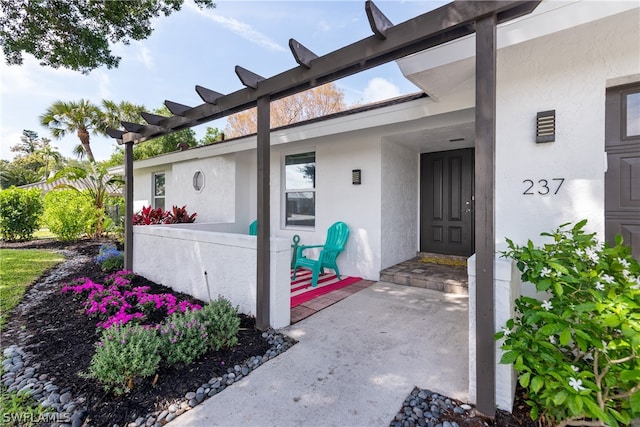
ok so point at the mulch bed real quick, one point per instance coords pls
(63, 338)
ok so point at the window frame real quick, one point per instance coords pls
(624, 136)
(154, 197)
(285, 191)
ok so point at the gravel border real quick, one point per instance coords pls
(23, 377)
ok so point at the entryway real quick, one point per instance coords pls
(446, 202)
(444, 273)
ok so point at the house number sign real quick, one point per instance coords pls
(542, 187)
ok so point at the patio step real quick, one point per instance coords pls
(438, 272)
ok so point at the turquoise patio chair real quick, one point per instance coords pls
(253, 228)
(336, 239)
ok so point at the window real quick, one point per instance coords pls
(631, 113)
(158, 190)
(198, 181)
(300, 189)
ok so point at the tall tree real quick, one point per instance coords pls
(77, 34)
(316, 102)
(81, 117)
(29, 143)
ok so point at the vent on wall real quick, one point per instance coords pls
(546, 126)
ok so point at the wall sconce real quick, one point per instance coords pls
(356, 176)
(546, 126)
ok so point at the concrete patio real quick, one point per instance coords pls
(354, 364)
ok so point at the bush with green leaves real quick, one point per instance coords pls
(69, 214)
(184, 338)
(20, 211)
(222, 323)
(124, 354)
(577, 353)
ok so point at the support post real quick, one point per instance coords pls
(263, 270)
(484, 212)
(128, 206)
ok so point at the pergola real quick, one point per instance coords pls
(388, 43)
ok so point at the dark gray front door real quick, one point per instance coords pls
(622, 179)
(446, 202)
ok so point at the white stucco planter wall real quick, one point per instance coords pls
(206, 264)
(507, 287)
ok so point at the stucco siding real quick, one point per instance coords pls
(337, 199)
(215, 202)
(399, 207)
(566, 72)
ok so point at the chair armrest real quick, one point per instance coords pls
(302, 248)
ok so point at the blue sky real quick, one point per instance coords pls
(202, 47)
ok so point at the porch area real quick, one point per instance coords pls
(444, 273)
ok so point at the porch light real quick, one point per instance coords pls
(546, 126)
(356, 176)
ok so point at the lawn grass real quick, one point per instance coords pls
(43, 233)
(19, 268)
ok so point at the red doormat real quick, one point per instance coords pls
(302, 291)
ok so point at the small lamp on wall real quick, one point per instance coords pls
(546, 126)
(356, 176)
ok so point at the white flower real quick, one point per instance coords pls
(627, 274)
(552, 339)
(506, 331)
(624, 262)
(592, 255)
(575, 368)
(547, 305)
(580, 252)
(637, 285)
(545, 272)
(607, 279)
(576, 384)
(588, 356)
(600, 286)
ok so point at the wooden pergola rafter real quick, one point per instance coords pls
(388, 43)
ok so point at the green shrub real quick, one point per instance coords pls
(184, 338)
(222, 323)
(577, 353)
(123, 354)
(69, 214)
(20, 211)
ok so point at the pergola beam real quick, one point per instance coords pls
(444, 24)
(301, 54)
(377, 20)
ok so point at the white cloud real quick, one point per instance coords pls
(379, 89)
(239, 28)
(144, 55)
(104, 85)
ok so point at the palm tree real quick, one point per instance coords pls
(81, 117)
(114, 113)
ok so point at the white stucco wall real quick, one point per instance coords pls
(337, 199)
(216, 200)
(213, 264)
(568, 72)
(399, 203)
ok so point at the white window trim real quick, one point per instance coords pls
(283, 189)
(153, 189)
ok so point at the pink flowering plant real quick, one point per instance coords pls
(577, 350)
(117, 302)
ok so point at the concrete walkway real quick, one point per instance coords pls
(354, 364)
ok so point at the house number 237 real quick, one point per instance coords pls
(542, 186)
